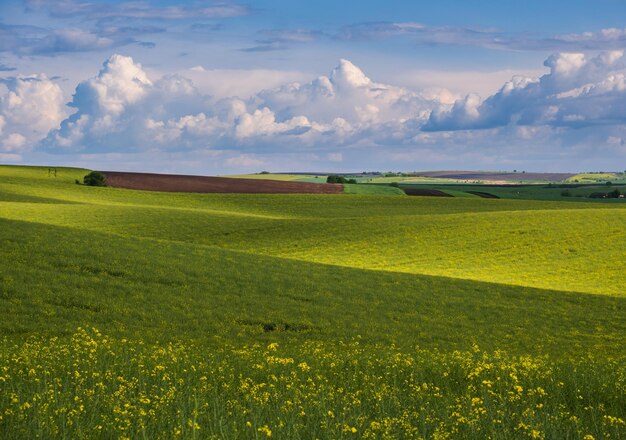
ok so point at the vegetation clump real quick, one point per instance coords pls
(95, 178)
(333, 178)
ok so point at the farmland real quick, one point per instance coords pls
(129, 313)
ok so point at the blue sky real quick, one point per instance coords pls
(217, 87)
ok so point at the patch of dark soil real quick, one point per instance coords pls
(206, 184)
(425, 192)
(484, 195)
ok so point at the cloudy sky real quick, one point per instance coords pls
(217, 87)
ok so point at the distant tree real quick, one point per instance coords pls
(566, 193)
(614, 194)
(264, 172)
(351, 181)
(609, 183)
(333, 178)
(95, 178)
(395, 184)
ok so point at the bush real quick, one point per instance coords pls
(566, 193)
(335, 179)
(95, 178)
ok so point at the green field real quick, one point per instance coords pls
(598, 177)
(129, 314)
(549, 192)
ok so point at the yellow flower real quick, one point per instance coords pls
(265, 429)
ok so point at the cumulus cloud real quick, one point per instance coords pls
(577, 91)
(348, 95)
(576, 108)
(30, 106)
(121, 108)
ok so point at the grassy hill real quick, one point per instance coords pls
(128, 314)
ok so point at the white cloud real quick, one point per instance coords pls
(575, 109)
(122, 109)
(138, 10)
(245, 161)
(419, 33)
(577, 91)
(449, 85)
(243, 83)
(30, 106)
(347, 94)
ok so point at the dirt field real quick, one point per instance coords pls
(425, 192)
(203, 184)
(474, 175)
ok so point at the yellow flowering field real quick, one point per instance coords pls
(128, 314)
(94, 386)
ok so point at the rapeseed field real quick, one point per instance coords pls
(128, 314)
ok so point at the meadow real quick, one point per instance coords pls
(129, 314)
(567, 192)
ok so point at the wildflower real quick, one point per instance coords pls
(265, 430)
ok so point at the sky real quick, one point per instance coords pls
(222, 87)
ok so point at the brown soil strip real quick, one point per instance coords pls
(204, 184)
(484, 195)
(425, 192)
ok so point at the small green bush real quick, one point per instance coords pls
(335, 179)
(95, 178)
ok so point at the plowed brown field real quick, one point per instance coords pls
(204, 184)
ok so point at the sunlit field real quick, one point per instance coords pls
(129, 314)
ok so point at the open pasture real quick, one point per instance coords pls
(299, 316)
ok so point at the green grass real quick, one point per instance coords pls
(367, 294)
(530, 192)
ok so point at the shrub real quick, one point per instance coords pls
(566, 193)
(95, 178)
(335, 179)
